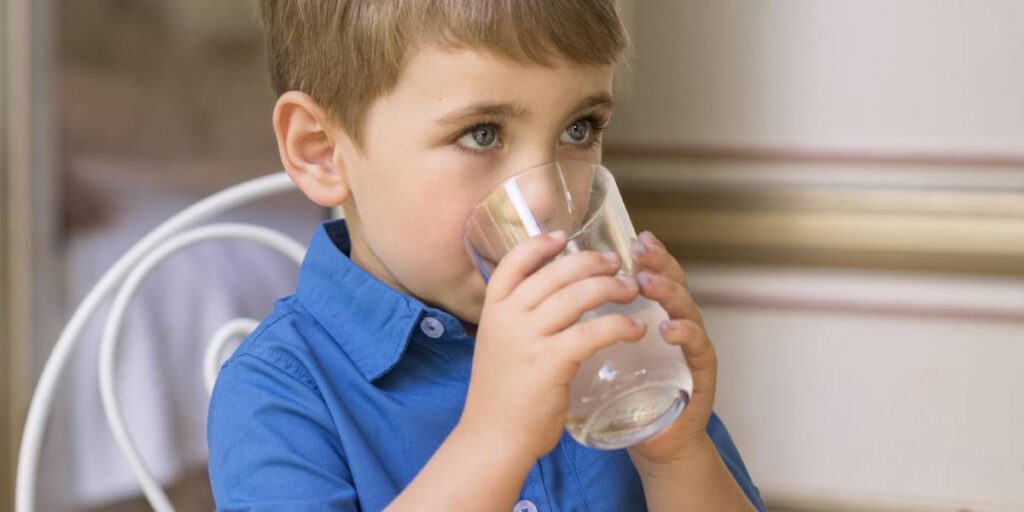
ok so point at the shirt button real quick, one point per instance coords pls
(432, 327)
(524, 506)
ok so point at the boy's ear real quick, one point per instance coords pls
(308, 150)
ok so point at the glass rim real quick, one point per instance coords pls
(601, 169)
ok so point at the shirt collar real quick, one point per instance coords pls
(371, 321)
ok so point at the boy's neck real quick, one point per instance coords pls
(362, 255)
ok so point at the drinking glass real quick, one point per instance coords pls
(626, 392)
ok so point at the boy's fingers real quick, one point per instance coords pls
(562, 272)
(584, 339)
(670, 294)
(700, 356)
(652, 255)
(524, 259)
(565, 306)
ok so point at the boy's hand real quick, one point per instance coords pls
(529, 345)
(663, 280)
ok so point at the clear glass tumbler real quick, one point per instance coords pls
(629, 391)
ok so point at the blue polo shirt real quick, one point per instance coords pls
(342, 394)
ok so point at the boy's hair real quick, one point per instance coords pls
(347, 53)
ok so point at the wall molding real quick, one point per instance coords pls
(935, 214)
(961, 159)
(859, 292)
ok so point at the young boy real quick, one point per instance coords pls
(395, 378)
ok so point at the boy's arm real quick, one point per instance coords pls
(468, 472)
(699, 482)
(692, 464)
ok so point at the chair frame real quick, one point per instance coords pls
(124, 277)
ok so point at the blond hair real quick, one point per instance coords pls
(347, 53)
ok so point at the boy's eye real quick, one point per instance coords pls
(486, 136)
(577, 133)
(480, 137)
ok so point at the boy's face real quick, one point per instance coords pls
(456, 125)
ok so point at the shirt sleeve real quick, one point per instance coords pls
(731, 456)
(272, 442)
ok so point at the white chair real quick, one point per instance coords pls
(124, 277)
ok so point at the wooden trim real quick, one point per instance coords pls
(840, 211)
(886, 242)
(841, 306)
(900, 294)
(963, 159)
(943, 203)
(32, 272)
(894, 233)
(8, 372)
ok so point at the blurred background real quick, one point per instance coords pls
(843, 181)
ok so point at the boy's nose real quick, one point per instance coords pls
(528, 160)
(540, 197)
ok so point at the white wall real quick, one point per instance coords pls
(940, 75)
(852, 390)
(872, 389)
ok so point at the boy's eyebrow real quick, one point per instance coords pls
(478, 110)
(511, 111)
(600, 99)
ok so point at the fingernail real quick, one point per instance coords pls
(671, 326)
(557, 235)
(610, 257)
(628, 281)
(648, 238)
(637, 321)
(643, 279)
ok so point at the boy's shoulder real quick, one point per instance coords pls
(286, 339)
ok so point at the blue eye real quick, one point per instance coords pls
(578, 132)
(479, 138)
(585, 132)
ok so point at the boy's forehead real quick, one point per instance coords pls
(444, 72)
